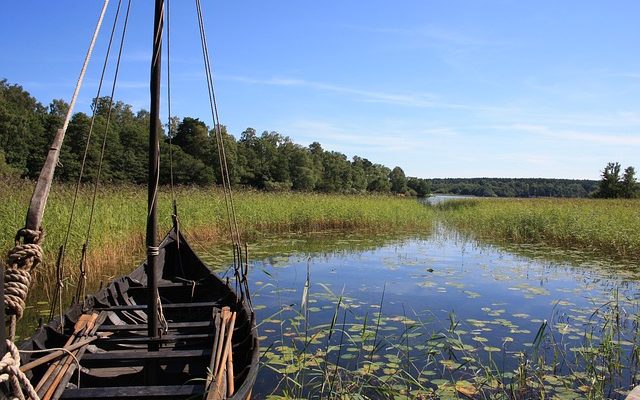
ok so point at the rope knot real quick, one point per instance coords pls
(26, 235)
(22, 260)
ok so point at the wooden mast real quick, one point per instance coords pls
(154, 173)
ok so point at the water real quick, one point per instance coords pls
(441, 198)
(449, 312)
(451, 309)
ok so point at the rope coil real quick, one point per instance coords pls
(22, 260)
(10, 372)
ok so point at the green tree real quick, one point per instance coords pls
(192, 136)
(629, 184)
(610, 186)
(421, 187)
(398, 180)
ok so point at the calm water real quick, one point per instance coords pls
(434, 291)
(439, 308)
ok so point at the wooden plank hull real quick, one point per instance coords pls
(119, 365)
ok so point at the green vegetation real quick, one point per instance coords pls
(355, 353)
(267, 161)
(613, 186)
(120, 215)
(521, 187)
(603, 226)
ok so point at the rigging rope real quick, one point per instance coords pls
(26, 256)
(82, 279)
(57, 298)
(240, 264)
(10, 372)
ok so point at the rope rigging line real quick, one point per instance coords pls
(57, 298)
(174, 202)
(27, 253)
(82, 279)
(239, 264)
(169, 124)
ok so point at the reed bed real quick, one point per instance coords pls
(118, 230)
(608, 227)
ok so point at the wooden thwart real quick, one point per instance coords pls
(134, 392)
(130, 307)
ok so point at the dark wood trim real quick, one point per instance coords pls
(143, 327)
(134, 392)
(164, 306)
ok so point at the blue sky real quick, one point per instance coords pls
(441, 88)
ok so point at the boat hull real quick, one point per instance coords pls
(120, 365)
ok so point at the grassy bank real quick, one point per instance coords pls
(118, 230)
(608, 227)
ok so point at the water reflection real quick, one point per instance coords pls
(499, 299)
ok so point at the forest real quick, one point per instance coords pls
(265, 161)
(521, 187)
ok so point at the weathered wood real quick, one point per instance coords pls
(79, 353)
(163, 339)
(53, 355)
(67, 362)
(143, 327)
(134, 392)
(78, 327)
(131, 307)
(228, 348)
(216, 338)
(101, 359)
(164, 285)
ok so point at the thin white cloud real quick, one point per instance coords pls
(415, 100)
(576, 136)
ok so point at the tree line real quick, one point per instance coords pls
(515, 187)
(266, 161)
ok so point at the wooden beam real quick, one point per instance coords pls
(111, 358)
(134, 392)
(143, 327)
(131, 307)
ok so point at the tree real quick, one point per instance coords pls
(398, 180)
(420, 186)
(629, 184)
(610, 182)
(192, 136)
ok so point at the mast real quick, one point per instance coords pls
(154, 173)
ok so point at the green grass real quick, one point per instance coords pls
(608, 227)
(119, 222)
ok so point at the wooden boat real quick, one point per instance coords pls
(170, 329)
(114, 366)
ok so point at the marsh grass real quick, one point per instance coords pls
(117, 238)
(602, 226)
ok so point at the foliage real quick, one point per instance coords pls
(605, 226)
(120, 215)
(511, 187)
(268, 161)
(614, 186)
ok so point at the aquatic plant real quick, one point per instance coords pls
(599, 225)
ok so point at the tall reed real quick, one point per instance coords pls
(610, 227)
